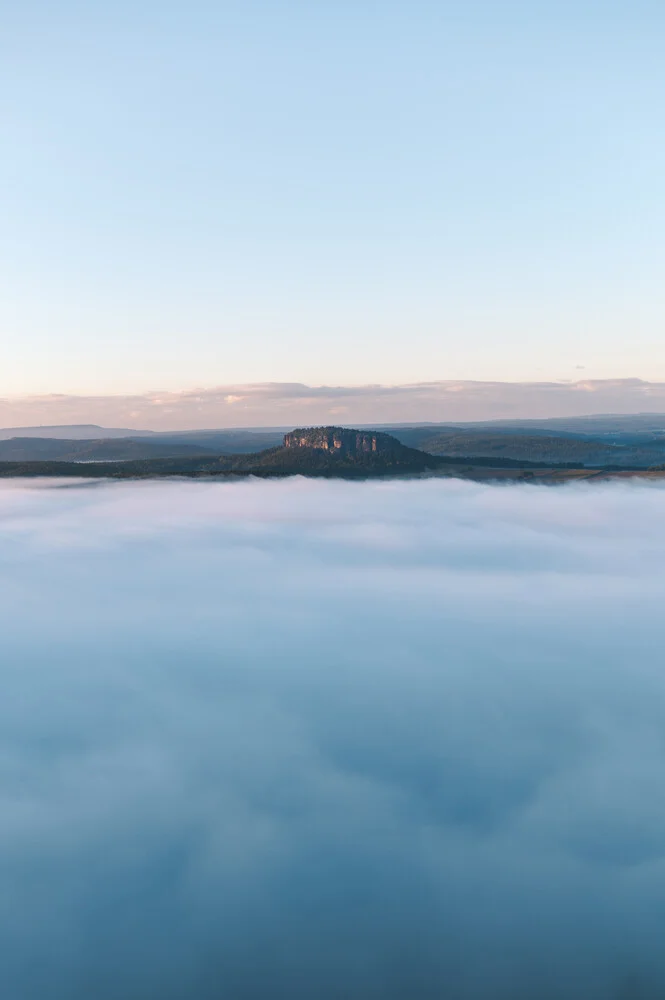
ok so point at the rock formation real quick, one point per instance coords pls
(343, 441)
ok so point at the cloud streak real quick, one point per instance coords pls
(291, 404)
(331, 739)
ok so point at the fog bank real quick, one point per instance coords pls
(327, 739)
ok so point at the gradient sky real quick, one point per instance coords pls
(330, 192)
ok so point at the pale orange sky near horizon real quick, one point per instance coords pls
(291, 404)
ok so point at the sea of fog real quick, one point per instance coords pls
(332, 741)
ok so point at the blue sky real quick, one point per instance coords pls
(339, 193)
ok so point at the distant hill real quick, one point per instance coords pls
(541, 448)
(633, 441)
(628, 449)
(322, 451)
(224, 440)
(339, 450)
(228, 441)
(299, 451)
(335, 452)
(112, 450)
(71, 432)
(596, 424)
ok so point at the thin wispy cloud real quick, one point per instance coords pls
(289, 404)
(301, 739)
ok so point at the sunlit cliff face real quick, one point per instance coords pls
(341, 439)
(330, 739)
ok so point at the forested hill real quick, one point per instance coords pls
(334, 452)
(320, 451)
(634, 441)
(305, 459)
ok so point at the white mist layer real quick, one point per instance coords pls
(324, 739)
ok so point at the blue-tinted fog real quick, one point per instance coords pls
(325, 739)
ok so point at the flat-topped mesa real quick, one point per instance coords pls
(342, 440)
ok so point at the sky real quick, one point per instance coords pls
(436, 769)
(289, 405)
(349, 193)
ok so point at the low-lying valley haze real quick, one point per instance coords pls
(396, 739)
(332, 500)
